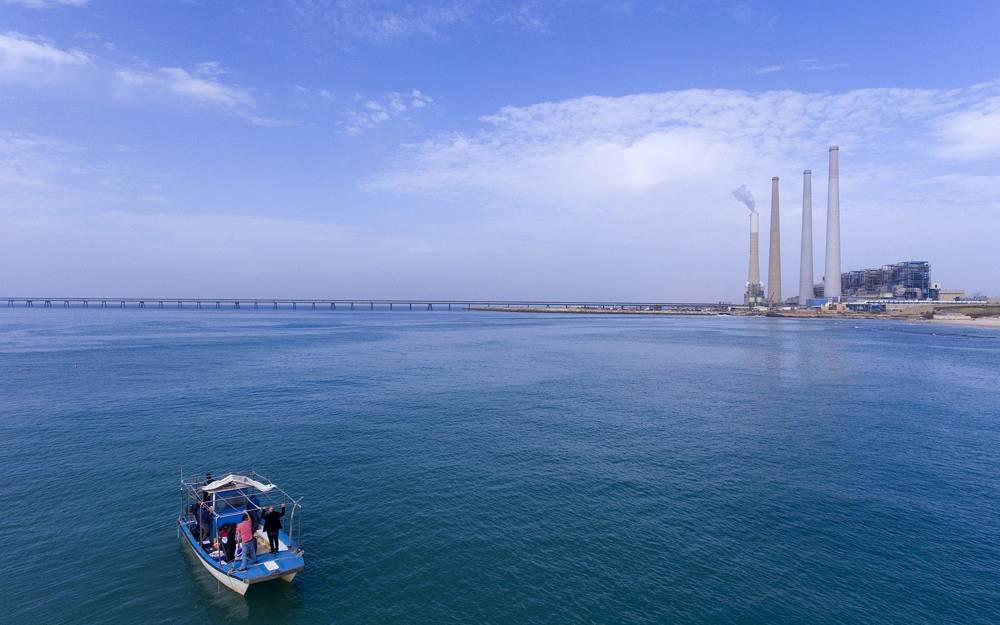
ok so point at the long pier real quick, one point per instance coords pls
(344, 304)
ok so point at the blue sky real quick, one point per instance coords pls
(460, 149)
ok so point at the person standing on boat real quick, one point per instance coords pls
(227, 536)
(204, 521)
(272, 524)
(205, 495)
(244, 531)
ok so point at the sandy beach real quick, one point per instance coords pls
(964, 320)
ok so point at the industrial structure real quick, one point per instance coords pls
(831, 280)
(906, 280)
(774, 250)
(903, 282)
(806, 256)
(754, 294)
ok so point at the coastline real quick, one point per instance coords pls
(990, 322)
(964, 320)
(581, 310)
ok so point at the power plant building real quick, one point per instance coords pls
(906, 280)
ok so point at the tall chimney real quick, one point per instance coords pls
(831, 281)
(806, 259)
(753, 276)
(774, 251)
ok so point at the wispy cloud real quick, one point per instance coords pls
(38, 62)
(34, 59)
(46, 174)
(670, 151)
(46, 4)
(670, 158)
(972, 134)
(380, 20)
(814, 65)
(372, 112)
(200, 85)
(806, 65)
(531, 16)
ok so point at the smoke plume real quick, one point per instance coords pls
(743, 194)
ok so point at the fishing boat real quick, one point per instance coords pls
(207, 522)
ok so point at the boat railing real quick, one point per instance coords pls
(191, 488)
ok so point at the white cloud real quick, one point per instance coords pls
(372, 112)
(380, 20)
(768, 69)
(595, 197)
(200, 86)
(593, 146)
(974, 133)
(531, 16)
(46, 4)
(33, 59)
(814, 65)
(668, 160)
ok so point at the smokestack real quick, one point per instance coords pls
(806, 259)
(831, 280)
(755, 292)
(753, 276)
(774, 252)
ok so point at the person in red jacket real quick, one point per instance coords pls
(244, 532)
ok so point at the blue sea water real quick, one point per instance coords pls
(504, 468)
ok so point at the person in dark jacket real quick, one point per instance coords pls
(205, 495)
(272, 523)
(227, 535)
(204, 522)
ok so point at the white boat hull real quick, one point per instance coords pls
(229, 582)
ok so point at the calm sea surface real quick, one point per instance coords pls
(489, 468)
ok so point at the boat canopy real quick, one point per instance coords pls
(233, 481)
